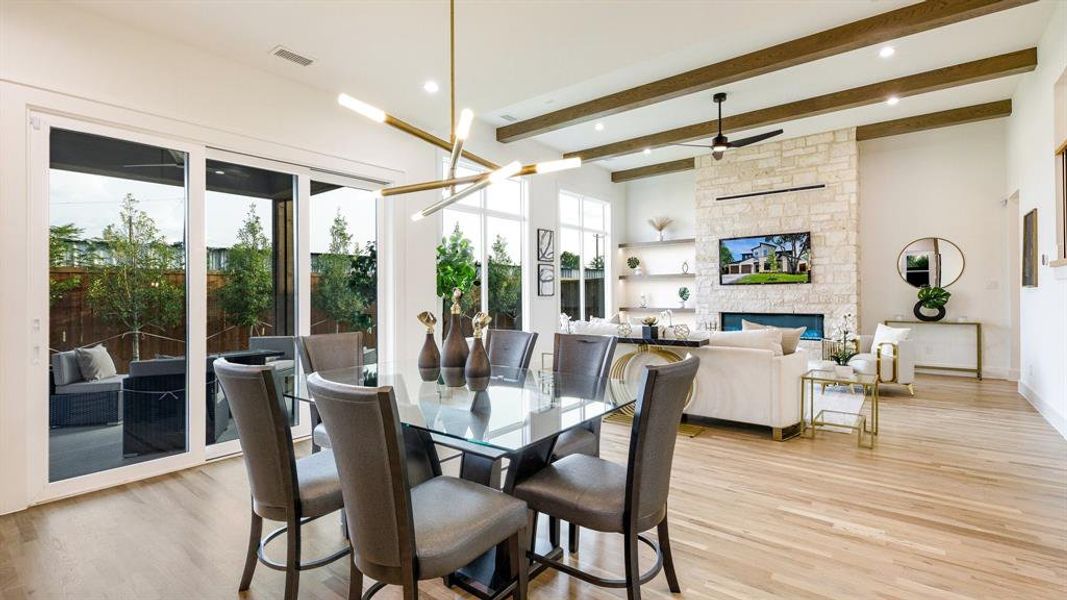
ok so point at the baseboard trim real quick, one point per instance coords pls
(1058, 422)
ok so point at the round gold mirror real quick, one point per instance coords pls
(934, 262)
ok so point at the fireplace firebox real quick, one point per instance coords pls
(731, 321)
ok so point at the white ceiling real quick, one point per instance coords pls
(524, 58)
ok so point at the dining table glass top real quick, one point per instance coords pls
(519, 407)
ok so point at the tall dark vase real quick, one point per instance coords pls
(429, 359)
(454, 358)
(477, 369)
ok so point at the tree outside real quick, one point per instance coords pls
(61, 248)
(568, 260)
(129, 286)
(772, 261)
(344, 279)
(505, 285)
(725, 256)
(249, 279)
(798, 247)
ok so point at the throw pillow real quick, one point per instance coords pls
(760, 339)
(885, 334)
(790, 335)
(95, 363)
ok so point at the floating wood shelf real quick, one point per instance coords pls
(654, 309)
(655, 243)
(660, 276)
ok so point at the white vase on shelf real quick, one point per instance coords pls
(638, 271)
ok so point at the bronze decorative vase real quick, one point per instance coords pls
(477, 369)
(454, 358)
(429, 356)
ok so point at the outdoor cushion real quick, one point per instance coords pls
(65, 368)
(111, 384)
(95, 363)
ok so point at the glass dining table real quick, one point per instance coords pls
(517, 419)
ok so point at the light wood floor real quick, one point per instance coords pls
(965, 496)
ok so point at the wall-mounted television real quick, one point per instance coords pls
(765, 259)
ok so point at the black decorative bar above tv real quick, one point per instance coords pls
(765, 259)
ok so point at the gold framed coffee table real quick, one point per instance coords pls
(856, 421)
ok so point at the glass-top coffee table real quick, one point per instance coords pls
(866, 428)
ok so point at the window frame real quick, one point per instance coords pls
(484, 214)
(582, 231)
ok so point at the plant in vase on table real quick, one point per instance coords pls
(843, 344)
(931, 298)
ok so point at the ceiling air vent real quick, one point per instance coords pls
(287, 54)
(508, 118)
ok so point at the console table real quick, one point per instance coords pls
(977, 368)
(659, 347)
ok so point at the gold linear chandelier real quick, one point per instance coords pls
(460, 130)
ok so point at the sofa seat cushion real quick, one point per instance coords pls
(864, 363)
(456, 520)
(111, 384)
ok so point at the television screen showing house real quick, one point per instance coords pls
(767, 259)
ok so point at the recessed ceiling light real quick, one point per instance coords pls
(892, 101)
(887, 51)
(599, 127)
(646, 151)
(431, 87)
(220, 172)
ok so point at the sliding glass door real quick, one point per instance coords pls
(116, 303)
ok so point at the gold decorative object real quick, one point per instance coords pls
(480, 322)
(428, 320)
(460, 130)
(429, 356)
(650, 321)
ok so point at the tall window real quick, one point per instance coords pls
(481, 250)
(117, 297)
(584, 237)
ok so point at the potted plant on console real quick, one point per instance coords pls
(931, 298)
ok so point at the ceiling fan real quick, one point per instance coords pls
(720, 143)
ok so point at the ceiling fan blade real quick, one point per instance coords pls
(694, 145)
(755, 138)
(717, 155)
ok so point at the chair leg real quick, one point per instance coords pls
(553, 532)
(531, 530)
(668, 560)
(911, 389)
(519, 564)
(355, 581)
(633, 571)
(251, 559)
(572, 537)
(411, 591)
(292, 559)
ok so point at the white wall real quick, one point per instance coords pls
(1031, 143)
(946, 183)
(667, 195)
(57, 58)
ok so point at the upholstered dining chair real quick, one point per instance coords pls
(284, 488)
(589, 356)
(324, 352)
(401, 533)
(604, 496)
(510, 348)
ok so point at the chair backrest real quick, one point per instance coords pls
(367, 444)
(509, 348)
(588, 355)
(281, 343)
(662, 396)
(331, 351)
(263, 427)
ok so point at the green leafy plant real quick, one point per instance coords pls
(633, 262)
(338, 293)
(568, 260)
(62, 250)
(456, 268)
(505, 281)
(249, 284)
(842, 353)
(650, 321)
(130, 286)
(683, 293)
(933, 297)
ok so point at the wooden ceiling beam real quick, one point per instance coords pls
(884, 27)
(935, 120)
(984, 69)
(944, 118)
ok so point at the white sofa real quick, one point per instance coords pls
(747, 385)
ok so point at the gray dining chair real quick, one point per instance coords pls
(510, 348)
(604, 496)
(284, 488)
(588, 356)
(325, 352)
(401, 533)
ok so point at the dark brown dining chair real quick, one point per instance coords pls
(604, 496)
(588, 356)
(402, 534)
(510, 348)
(284, 488)
(324, 352)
